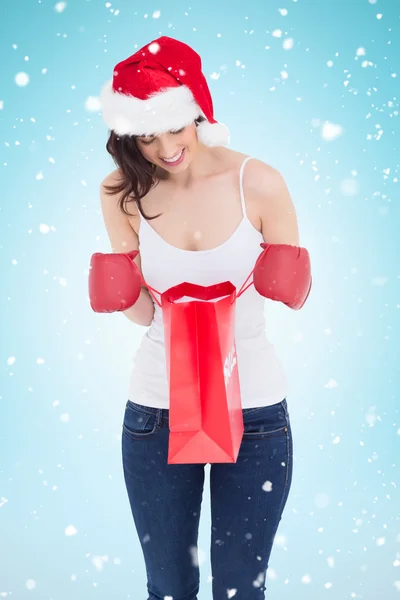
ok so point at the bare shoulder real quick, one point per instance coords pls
(230, 159)
(262, 178)
(112, 178)
(257, 174)
(111, 199)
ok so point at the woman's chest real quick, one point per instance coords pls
(199, 218)
(164, 266)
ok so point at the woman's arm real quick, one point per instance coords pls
(124, 239)
(275, 206)
(283, 270)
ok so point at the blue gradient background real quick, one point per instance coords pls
(63, 394)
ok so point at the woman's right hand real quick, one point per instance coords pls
(114, 281)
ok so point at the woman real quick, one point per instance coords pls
(197, 212)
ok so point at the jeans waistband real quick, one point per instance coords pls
(163, 413)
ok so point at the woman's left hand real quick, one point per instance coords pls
(283, 273)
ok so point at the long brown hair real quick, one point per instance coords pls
(137, 173)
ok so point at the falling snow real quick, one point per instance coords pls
(267, 486)
(22, 79)
(332, 384)
(60, 7)
(324, 110)
(331, 131)
(30, 584)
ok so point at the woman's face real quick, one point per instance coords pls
(172, 151)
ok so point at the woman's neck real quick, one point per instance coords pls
(202, 164)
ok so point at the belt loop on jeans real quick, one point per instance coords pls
(285, 408)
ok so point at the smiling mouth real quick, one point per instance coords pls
(175, 159)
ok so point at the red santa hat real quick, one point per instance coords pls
(158, 89)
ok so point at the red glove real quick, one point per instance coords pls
(283, 273)
(114, 281)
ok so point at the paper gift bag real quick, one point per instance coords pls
(205, 415)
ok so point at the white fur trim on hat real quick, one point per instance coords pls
(169, 109)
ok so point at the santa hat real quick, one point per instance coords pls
(158, 89)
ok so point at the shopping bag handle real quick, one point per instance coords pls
(200, 292)
(153, 291)
(133, 254)
(243, 288)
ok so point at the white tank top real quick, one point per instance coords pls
(262, 380)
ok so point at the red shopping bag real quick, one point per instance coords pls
(205, 410)
(205, 418)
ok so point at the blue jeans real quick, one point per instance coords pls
(247, 502)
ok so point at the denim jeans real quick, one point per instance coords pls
(247, 501)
